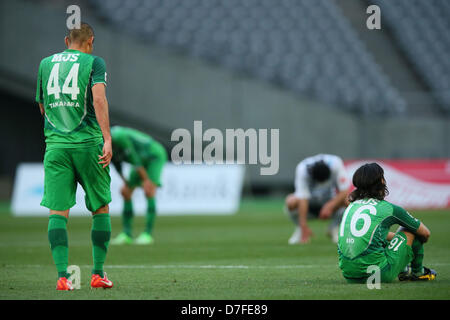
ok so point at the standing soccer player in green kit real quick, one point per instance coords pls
(365, 240)
(71, 96)
(148, 158)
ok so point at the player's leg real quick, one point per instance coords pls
(291, 209)
(100, 235)
(59, 245)
(292, 204)
(96, 181)
(333, 228)
(416, 270)
(59, 197)
(126, 236)
(399, 254)
(154, 172)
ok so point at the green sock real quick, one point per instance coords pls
(57, 236)
(416, 263)
(127, 217)
(100, 235)
(151, 215)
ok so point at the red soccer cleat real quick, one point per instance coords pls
(99, 282)
(64, 285)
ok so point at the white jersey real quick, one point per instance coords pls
(319, 193)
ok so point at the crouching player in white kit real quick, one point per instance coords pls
(321, 190)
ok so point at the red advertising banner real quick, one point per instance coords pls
(413, 184)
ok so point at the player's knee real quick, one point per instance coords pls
(152, 192)
(104, 209)
(126, 193)
(291, 202)
(409, 235)
(64, 213)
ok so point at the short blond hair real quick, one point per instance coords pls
(81, 35)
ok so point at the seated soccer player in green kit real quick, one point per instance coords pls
(365, 240)
(147, 156)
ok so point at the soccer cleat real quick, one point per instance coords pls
(144, 238)
(99, 282)
(64, 285)
(405, 274)
(408, 275)
(121, 239)
(296, 236)
(428, 275)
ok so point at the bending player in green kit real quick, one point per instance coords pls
(71, 96)
(148, 158)
(365, 240)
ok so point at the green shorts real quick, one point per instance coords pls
(154, 169)
(397, 255)
(64, 167)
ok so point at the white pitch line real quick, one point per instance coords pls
(174, 266)
(183, 266)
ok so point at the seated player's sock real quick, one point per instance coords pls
(57, 236)
(151, 215)
(100, 234)
(127, 217)
(416, 263)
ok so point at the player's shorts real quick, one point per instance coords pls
(154, 169)
(397, 255)
(313, 213)
(64, 167)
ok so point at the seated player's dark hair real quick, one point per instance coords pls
(319, 171)
(369, 183)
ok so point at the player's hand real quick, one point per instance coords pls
(105, 159)
(327, 210)
(306, 234)
(149, 188)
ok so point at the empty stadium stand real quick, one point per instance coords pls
(422, 30)
(306, 46)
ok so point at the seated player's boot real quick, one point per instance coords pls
(296, 236)
(121, 239)
(144, 238)
(428, 275)
(64, 285)
(405, 275)
(408, 275)
(99, 282)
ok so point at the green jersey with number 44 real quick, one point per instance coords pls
(64, 88)
(363, 231)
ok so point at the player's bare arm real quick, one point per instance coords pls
(102, 115)
(148, 186)
(302, 216)
(423, 233)
(338, 201)
(41, 108)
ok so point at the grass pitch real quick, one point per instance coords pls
(239, 257)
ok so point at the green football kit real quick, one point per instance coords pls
(362, 241)
(74, 142)
(139, 150)
(72, 134)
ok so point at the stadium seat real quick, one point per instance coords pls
(305, 46)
